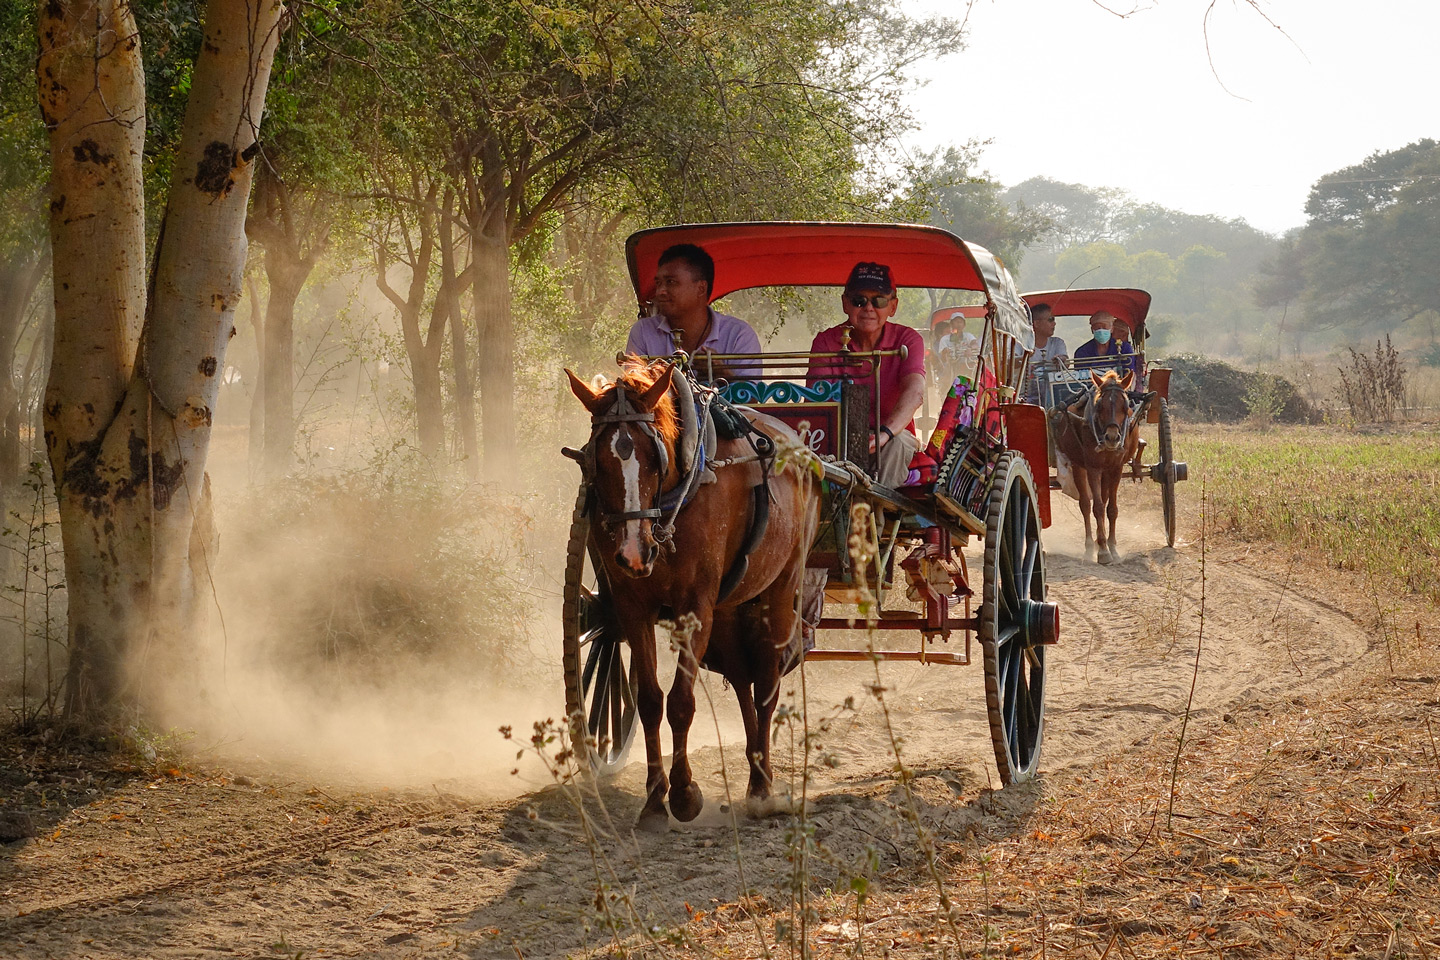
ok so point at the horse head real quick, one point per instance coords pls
(1109, 408)
(629, 458)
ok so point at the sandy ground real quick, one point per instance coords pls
(225, 858)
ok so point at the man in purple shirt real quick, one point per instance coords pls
(683, 318)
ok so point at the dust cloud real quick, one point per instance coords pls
(376, 627)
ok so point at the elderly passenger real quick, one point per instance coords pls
(869, 301)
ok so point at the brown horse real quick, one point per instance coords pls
(1099, 435)
(749, 636)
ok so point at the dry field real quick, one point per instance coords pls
(1299, 816)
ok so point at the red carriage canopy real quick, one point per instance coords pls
(789, 253)
(1129, 305)
(970, 312)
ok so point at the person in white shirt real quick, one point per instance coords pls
(1050, 351)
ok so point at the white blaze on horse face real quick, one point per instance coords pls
(630, 473)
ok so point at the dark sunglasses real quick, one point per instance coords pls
(879, 301)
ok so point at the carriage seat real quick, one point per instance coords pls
(921, 478)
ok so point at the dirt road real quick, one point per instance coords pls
(139, 864)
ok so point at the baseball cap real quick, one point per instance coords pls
(870, 276)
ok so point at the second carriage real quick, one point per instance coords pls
(1056, 385)
(976, 478)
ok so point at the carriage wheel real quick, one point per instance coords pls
(1167, 475)
(599, 686)
(1016, 623)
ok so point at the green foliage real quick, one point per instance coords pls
(1366, 257)
(947, 193)
(23, 146)
(1199, 269)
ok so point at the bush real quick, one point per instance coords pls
(1202, 389)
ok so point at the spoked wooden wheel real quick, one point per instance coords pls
(599, 686)
(1016, 622)
(1167, 472)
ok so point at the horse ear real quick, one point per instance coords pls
(651, 397)
(1128, 379)
(582, 391)
(1096, 379)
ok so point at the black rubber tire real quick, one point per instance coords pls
(1014, 668)
(599, 686)
(1167, 475)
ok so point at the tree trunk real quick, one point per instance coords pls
(286, 274)
(429, 396)
(20, 275)
(128, 427)
(496, 363)
(255, 452)
(450, 284)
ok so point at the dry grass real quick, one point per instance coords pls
(1308, 829)
(1304, 827)
(1367, 502)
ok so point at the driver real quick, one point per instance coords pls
(684, 319)
(869, 301)
(1102, 346)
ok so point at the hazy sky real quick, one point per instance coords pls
(1066, 90)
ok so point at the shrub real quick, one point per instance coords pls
(1202, 389)
(1372, 388)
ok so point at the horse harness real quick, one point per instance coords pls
(1132, 413)
(730, 423)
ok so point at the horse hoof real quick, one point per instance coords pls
(653, 821)
(1104, 557)
(758, 808)
(687, 802)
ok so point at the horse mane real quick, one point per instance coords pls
(638, 377)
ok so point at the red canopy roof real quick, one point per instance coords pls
(970, 312)
(815, 254)
(1132, 306)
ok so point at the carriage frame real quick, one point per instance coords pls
(984, 487)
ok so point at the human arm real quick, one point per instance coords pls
(910, 396)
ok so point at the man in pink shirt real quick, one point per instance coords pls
(869, 301)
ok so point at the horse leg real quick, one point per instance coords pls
(776, 621)
(759, 802)
(1098, 487)
(686, 800)
(1112, 501)
(1082, 485)
(650, 703)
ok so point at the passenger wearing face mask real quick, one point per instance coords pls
(1102, 351)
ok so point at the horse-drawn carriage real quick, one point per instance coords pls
(977, 482)
(1057, 386)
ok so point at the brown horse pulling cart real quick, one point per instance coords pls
(1056, 385)
(979, 483)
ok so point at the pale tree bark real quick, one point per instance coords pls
(128, 408)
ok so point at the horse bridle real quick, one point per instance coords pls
(623, 411)
(1132, 414)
